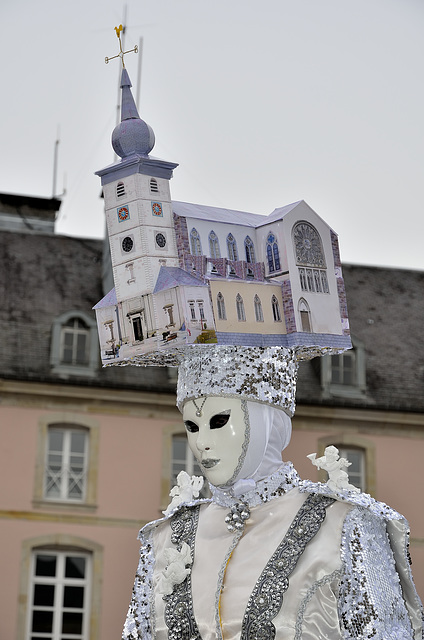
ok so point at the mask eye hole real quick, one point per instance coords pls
(191, 426)
(219, 420)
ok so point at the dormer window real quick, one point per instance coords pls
(250, 250)
(154, 185)
(195, 244)
(120, 190)
(214, 245)
(232, 247)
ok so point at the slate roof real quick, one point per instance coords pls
(170, 277)
(42, 277)
(386, 312)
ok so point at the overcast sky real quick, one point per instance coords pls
(261, 102)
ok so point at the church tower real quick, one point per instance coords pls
(137, 204)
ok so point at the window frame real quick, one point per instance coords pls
(73, 422)
(249, 248)
(195, 243)
(356, 389)
(240, 308)
(232, 248)
(66, 369)
(276, 311)
(220, 305)
(60, 582)
(65, 474)
(214, 249)
(69, 543)
(273, 253)
(259, 313)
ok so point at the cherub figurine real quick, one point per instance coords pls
(336, 467)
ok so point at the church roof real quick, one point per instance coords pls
(230, 216)
(109, 300)
(170, 277)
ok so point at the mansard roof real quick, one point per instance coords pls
(386, 314)
(45, 276)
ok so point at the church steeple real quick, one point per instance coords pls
(132, 135)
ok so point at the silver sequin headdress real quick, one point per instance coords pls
(261, 374)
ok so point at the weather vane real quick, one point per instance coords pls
(121, 53)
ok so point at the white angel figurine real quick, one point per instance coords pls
(336, 467)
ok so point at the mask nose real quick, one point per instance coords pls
(204, 440)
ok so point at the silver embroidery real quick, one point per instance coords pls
(245, 443)
(179, 615)
(267, 596)
(371, 604)
(138, 623)
(306, 600)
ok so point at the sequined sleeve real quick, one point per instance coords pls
(371, 604)
(138, 624)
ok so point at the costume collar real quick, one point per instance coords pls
(275, 485)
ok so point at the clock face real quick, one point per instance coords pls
(123, 214)
(157, 209)
(127, 244)
(160, 240)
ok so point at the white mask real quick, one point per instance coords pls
(247, 446)
(218, 437)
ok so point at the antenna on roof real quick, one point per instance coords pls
(55, 158)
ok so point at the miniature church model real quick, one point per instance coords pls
(190, 274)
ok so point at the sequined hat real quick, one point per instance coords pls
(266, 375)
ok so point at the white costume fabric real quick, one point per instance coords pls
(300, 563)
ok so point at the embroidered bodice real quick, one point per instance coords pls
(236, 589)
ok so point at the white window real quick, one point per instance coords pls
(201, 310)
(120, 190)
(356, 471)
(184, 460)
(232, 247)
(75, 342)
(241, 314)
(195, 244)
(220, 303)
(250, 250)
(154, 185)
(258, 309)
(276, 309)
(214, 245)
(59, 595)
(192, 309)
(345, 374)
(343, 368)
(66, 464)
(74, 346)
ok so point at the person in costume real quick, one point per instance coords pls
(268, 555)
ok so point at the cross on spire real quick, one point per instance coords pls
(121, 53)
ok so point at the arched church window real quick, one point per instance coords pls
(232, 247)
(275, 309)
(308, 246)
(195, 244)
(258, 309)
(241, 314)
(250, 250)
(272, 253)
(214, 245)
(310, 258)
(220, 303)
(305, 316)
